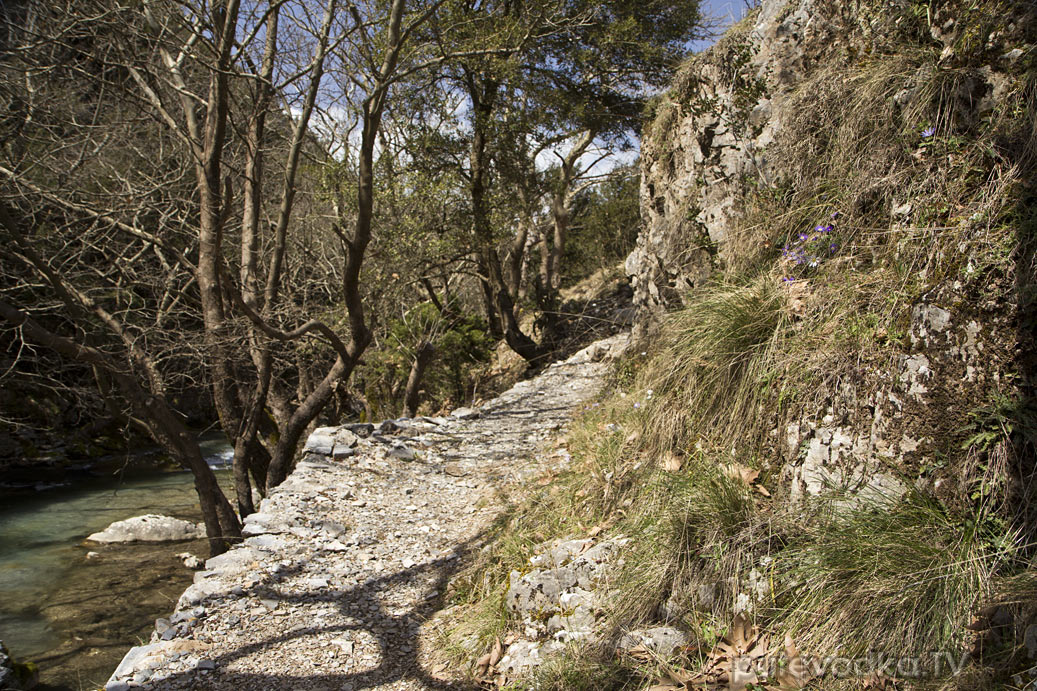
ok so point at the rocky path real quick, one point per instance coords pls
(350, 556)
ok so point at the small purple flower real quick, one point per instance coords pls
(829, 229)
(928, 132)
(835, 214)
(788, 279)
(819, 229)
(833, 247)
(803, 237)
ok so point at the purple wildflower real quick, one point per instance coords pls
(928, 132)
(835, 214)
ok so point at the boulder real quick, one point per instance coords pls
(149, 528)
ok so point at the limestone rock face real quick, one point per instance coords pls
(149, 528)
(709, 138)
(557, 599)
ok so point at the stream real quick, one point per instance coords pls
(76, 615)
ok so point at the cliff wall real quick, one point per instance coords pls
(874, 160)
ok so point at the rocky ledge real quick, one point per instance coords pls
(348, 558)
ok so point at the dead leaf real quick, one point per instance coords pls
(495, 654)
(640, 652)
(670, 462)
(680, 676)
(798, 292)
(633, 436)
(796, 674)
(595, 531)
(737, 471)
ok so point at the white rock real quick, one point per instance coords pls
(149, 528)
(190, 561)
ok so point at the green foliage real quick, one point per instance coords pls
(1002, 418)
(461, 344)
(605, 222)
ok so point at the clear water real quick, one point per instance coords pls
(42, 538)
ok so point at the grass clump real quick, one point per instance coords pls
(693, 529)
(718, 352)
(904, 578)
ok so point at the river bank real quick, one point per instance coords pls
(73, 607)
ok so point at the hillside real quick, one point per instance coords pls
(820, 452)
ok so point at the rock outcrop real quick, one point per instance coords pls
(724, 132)
(709, 139)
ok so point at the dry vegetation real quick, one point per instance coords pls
(684, 456)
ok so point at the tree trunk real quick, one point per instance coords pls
(417, 375)
(483, 95)
(162, 423)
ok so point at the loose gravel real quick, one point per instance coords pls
(350, 556)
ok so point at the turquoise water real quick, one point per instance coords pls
(42, 546)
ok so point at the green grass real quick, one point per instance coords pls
(905, 579)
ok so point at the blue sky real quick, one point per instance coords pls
(727, 10)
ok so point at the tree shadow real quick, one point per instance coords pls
(396, 635)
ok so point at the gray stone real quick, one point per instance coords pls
(234, 561)
(521, 657)
(268, 543)
(149, 528)
(342, 452)
(321, 441)
(662, 640)
(201, 591)
(262, 522)
(389, 427)
(190, 561)
(466, 414)
(360, 429)
(345, 438)
(401, 451)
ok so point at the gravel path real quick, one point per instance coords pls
(350, 556)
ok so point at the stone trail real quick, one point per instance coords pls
(349, 557)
